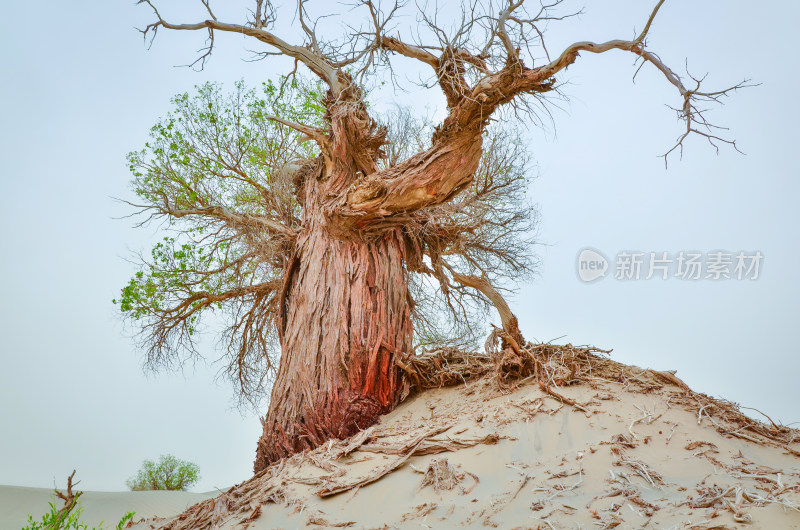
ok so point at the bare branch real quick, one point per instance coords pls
(316, 134)
(412, 52)
(314, 62)
(301, 12)
(646, 28)
(70, 501)
(510, 324)
(233, 219)
(513, 53)
(689, 112)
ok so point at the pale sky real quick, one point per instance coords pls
(81, 90)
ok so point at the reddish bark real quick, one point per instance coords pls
(345, 310)
(345, 316)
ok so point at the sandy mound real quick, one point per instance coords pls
(581, 442)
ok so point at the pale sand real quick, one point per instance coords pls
(16, 503)
(553, 467)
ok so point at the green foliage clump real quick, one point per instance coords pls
(169, 473)
(221, 150)
(218, 169)
(57, 519)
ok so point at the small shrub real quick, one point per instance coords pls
(169, 473)
(68, 517)
(54, 521)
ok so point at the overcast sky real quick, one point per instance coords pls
(81, 90)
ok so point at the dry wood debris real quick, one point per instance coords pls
(441, 475)
(410, 447)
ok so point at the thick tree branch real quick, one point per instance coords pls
(314, 133)
(511, 334)
(448, 67)
(412, 52)
(202, 299)
(429, 178)
(485, 287)
(434, 176)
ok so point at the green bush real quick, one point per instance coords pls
(169, 473)
(68, 517)
(57, 519)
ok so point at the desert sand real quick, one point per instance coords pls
(16, 503)
(603, 445)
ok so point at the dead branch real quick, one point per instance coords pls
(70, 501)
(546, 388)
(314, 62)
(509, 320)
(689, 112)
(354, 443)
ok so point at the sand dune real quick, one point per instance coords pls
(611, 446)
(16, 503)
(641, 450)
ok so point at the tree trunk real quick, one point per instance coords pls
(346, 311)
(344, 317)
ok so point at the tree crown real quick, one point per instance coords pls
(168, 473)
(224, 180)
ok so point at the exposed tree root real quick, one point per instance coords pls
(556, 366)
(552, 364)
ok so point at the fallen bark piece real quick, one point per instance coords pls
(441, 475)
(432, 447)
(255, 514)
(413, 444)
(670, 377)
(319, 521)
(354, 443)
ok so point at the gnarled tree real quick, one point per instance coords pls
(318, 234)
